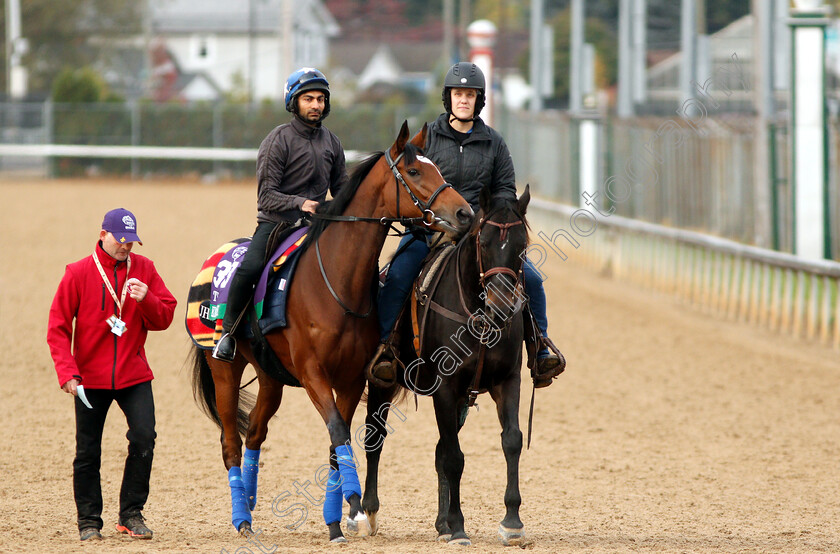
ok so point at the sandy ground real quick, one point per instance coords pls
(671, 431)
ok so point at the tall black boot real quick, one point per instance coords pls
(225, 349)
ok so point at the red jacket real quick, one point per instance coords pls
(101, 359)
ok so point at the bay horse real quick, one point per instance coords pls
(461, 335)
(328, 338)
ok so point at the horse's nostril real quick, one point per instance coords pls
(464, 216)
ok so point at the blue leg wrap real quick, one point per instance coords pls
(238, 501)
(250, 469)
(332, 501)
(347, 467)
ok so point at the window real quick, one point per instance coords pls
(202, 50)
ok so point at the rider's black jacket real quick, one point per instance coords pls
(481, 159)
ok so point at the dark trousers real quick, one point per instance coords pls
(246, 276)
(406, 267)
(138, 405)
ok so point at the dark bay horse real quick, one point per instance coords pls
(462, 335)
(328, 338)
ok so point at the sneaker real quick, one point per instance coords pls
(225, 349)
(90, 533)
(135, 527)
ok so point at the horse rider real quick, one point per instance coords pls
(115, 297)
(470, 155)
(296, 164)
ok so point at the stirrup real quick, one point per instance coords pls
(547, 368)
(382, 368)
(225, 349)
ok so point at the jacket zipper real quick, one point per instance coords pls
(103, 297)
(114, 367)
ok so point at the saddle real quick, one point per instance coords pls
(208, 296)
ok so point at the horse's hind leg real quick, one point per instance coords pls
(268, 401)
(506, 396)
(376, 429)
(450, 461)
(226, 378)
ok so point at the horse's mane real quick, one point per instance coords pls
(337, 205)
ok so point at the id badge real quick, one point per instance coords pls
(117, 325)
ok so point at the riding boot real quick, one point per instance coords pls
(382, 368)
(225, 349)
(550, 364)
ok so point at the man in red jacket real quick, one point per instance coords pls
(116, 298)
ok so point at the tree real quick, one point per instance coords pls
(79, 85)
(71, 33)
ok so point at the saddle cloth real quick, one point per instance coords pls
(208, 294)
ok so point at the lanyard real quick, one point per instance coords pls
(119, 302)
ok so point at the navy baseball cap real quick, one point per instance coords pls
(122, 224)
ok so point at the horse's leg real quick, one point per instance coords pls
(321, 394)
(451, 460)
(441, 523)
(444, 533)
(347, 402)
(506, 396)
(268, 401)
(378, 406)
(226, 378)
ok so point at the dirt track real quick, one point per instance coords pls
(671, 431)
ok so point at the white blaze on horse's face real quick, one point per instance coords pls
(425, 160)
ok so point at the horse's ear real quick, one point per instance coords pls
(402, 139)
(484, 198)
(419, 139)
(524, 198)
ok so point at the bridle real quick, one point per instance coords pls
(482, 277)
(499, 270)
(428, 219)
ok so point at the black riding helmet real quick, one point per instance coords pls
(463, 75)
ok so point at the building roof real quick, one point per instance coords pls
(235, 16)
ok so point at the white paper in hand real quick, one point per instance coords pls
(80, 392)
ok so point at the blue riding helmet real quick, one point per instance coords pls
(306, 78)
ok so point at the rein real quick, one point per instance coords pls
(483, 275)
(428, 219)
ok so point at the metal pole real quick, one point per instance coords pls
(639, 62)
(251, 53)
(624, 103)
(766, 218)
(688, 29)
(448, 38)
(575, 96)
(810, 183)
(536, 55)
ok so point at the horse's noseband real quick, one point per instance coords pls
(499, 270)
(429, 217)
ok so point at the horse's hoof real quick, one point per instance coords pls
(373, 522)
(512, 537)
(444, 538)
(358, 526)
(245, 529)
(338, 540)
(461, 541)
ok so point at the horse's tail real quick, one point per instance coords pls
(204, 393)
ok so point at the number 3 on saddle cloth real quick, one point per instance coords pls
(208, 295)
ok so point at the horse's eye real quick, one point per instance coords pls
(413, 172)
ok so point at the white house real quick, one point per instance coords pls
(241, 43)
